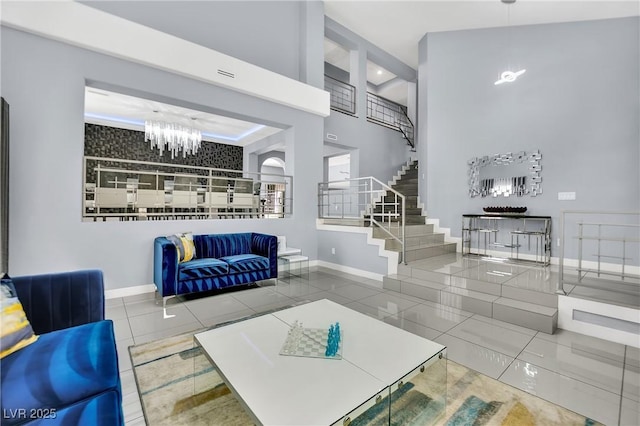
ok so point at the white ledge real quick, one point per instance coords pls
(92, 29)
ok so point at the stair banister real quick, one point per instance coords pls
(365, 187)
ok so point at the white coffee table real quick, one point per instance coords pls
(287, 390)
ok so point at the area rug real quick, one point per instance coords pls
(179, 386)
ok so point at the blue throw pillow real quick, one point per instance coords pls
(15, 329)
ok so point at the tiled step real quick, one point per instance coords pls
(415, 220)
(346, 222)
(410, 230)
(413, 241)
(536, 317)
(468, 300)
(410, 200)
(395, 218)
(410, 174)
(476, 285)
(407, 180)
(393, 208)
(429, 250)
(413, 287)
(406, 190)
(549, 300)
(435, 287)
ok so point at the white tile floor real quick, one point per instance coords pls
(593, 377)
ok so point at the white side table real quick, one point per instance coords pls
(295, 266)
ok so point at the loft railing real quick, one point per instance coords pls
(115, 189)
(379, 110)
(600, 249)
(390, 114)
(343, 95)
(366, 199)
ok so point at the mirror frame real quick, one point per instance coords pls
(534, 186)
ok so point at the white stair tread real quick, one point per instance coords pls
(470, 293)
(526, 306)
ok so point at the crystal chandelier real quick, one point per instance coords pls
(173, 137)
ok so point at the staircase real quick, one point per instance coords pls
(454, 281)
(424, 278)
(420, 240)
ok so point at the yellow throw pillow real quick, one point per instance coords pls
(185, 246)
(15, 329)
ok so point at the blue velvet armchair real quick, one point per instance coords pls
(69, 376)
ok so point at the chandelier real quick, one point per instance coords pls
(509, 76)
(172, 137)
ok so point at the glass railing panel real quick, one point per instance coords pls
(134, 190)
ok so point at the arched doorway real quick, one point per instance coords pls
(273, 187)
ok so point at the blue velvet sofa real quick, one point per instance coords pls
(69, 376)
(221, 260)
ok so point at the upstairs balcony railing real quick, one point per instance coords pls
(343, 95)
(379, 110)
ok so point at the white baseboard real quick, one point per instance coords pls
(129, 291)
(350, 270)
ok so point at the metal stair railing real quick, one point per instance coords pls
(390, 114)
(607, 247)
(359, 198)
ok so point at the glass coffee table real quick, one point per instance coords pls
(384, 374)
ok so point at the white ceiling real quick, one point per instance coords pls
(339, 56)
(129, 112)
(397, 26)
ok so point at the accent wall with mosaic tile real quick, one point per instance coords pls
(113, 142)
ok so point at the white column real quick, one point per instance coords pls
(358, 79)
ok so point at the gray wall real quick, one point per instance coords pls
(578, 103)
(351, 250)
(126, 144)
(264, 33)
(381, 151)
(335, 72)
(44, 82)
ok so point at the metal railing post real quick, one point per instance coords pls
(366, 192)
(560, 287)
(404, 245)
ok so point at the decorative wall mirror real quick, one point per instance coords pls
(506, 174)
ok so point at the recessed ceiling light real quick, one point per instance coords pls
(379, 72)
